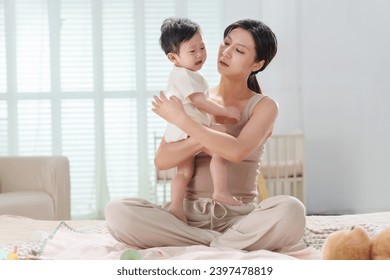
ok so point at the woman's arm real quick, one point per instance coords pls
(169, 155)
(256, 130)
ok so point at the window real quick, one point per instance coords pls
(77, 78)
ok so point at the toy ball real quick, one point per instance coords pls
(131, 255)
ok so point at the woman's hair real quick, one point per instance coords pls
(265, 43)
(174, 31)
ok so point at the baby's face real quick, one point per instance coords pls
(192, 53)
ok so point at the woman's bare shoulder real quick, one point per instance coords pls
(266, 104)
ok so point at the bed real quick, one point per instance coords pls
(90, 239)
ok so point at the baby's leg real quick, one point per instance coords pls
(178, 188)
(219, 174)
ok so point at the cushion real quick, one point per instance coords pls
(31, 204)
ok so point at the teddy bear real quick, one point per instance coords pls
(356, 244)
(380, 246)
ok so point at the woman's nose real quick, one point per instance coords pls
(226, 51)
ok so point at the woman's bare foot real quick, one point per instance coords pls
(178, 213)
(227, 198)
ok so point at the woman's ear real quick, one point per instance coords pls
(258, 65)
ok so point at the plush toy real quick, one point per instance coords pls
(380, 246)
(355, 244)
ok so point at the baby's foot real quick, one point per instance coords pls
(178, 213)
(227, 198)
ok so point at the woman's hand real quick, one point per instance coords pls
(171, 109)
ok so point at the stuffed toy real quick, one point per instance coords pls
(380, 246)
(356, 244)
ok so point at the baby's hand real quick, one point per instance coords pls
(233, 113)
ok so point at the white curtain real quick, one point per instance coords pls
(77, 78)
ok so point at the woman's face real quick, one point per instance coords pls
(236, 54)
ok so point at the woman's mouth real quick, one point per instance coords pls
(223, 63)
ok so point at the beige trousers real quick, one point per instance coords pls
(275, 224)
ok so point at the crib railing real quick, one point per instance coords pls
(160, 191)
(282, 170)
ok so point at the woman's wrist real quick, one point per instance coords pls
(197, 147)
(183, 122)
(169, 155)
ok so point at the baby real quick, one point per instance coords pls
(182, 42)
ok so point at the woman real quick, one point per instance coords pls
(277, 223)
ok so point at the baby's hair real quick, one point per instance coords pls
(174, 31)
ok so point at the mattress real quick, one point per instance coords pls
(90, 239)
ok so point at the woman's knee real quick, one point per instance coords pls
(120, 208)
(293, 213)
(294, 205)
(113, 207)
(121, 217)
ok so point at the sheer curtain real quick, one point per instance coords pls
(76, 79)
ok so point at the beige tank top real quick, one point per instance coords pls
(242, 176)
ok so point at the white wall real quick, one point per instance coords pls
(331, 78)
(346, 102)
(279, 79)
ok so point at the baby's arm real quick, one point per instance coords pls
(201, 102)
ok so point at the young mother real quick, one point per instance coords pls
(277, 223)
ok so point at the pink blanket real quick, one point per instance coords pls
(69, 244)
(90, 240)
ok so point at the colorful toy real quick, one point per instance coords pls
(131, 254)
(355, 244)
(3, 255)
(13, 255)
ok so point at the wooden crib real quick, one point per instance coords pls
(282, 170)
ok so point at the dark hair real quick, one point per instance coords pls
(174, 31)
(265, 43)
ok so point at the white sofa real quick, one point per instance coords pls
(37, 187)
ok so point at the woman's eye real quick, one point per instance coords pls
(192, 51)
(226, 43)
(241, 52)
